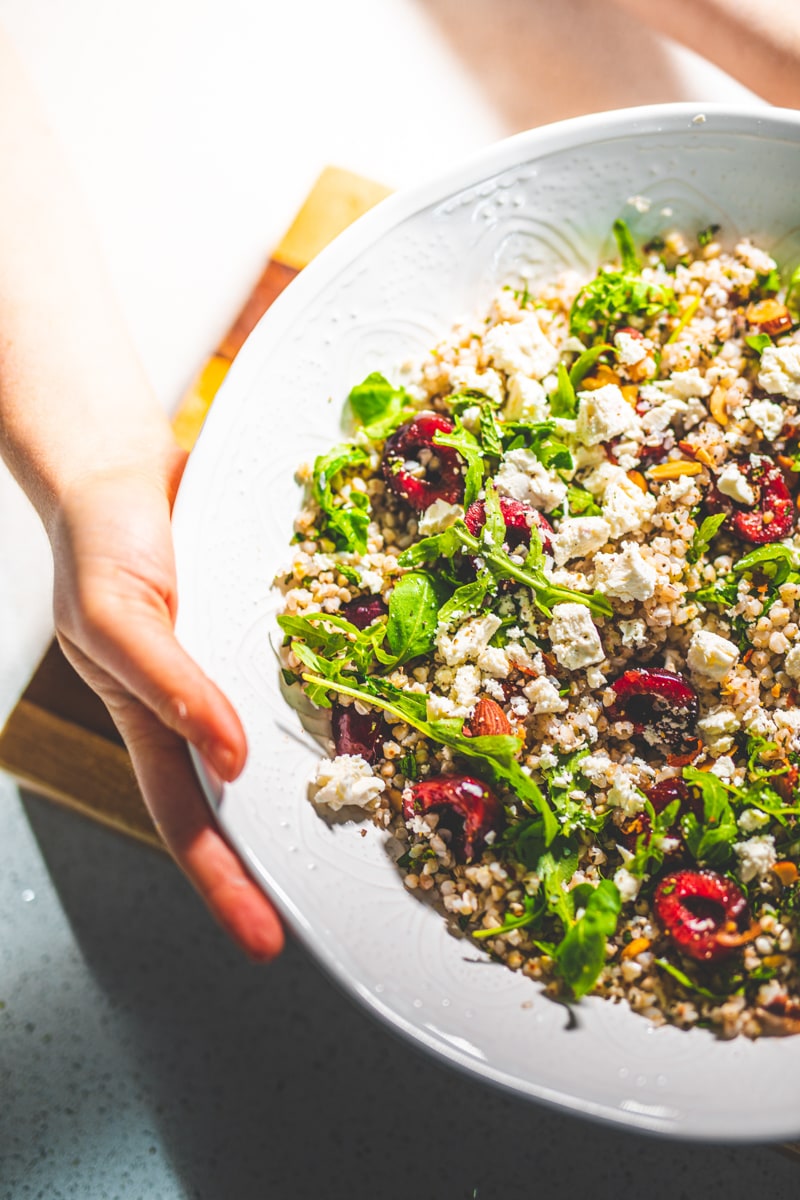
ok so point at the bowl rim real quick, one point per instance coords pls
(526, 146)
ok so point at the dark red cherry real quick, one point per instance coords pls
(661, 704)
(419, 471)
(519, 518)
(702, 913)
(466, 805)
(771, 517)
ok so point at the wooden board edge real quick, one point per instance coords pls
(39, 750)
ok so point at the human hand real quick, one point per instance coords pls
(115, 605)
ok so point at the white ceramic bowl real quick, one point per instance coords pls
(384, 292)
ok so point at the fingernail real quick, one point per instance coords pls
(223, 761)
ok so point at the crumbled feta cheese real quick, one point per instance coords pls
(756, 857)
(493, 661)
(626, 507)
(521, 346)
(466, 689)
(604, 414)
(626, 575)
(345, 780)
(718, 724)
(723, 768)
(598, 768)
(578, 536)
(440, 707)
(751, 819)
(791, 664)
(686, 385)
(680, 491)
(527, 400)
(522, 477)
(661, 417)
(630, 350)
(464, 378)
(634, 633)
(731, 482)
(625, 794)
(543, 695)
(780, 371)
(371, 580)
(439, 516)
(601, 478)
(574, 637)
(789, 719)
(628, 886)
(469, 640)
(711, 655)
(768, 416)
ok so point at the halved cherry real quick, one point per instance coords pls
(465, 805)
(418, 470)
(702, 912)
(519, 518)
(771, 517)
(661, 704)
(358, 733)
(363, 610)
(661, 795)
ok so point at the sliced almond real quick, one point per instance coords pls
(730, 935)
(631, 393)
(787, 872)
(488, 719)
(637, 946)
(601, 375)
(638, 478)
(769, 316)
(675, 469)
(717, 405)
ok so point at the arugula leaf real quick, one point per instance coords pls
(769, 283)
(684, 979)
(758, 342)
(413, 616)
(490, 432)
(428, 549)
(710, 841)
(555, 868)
(582, 503)
(344, 521)
(540, 439)
(627, 249)
(378, 406)
(496, 754)
(704, 535)
(564, 401)
(470, 449)
(792, 287)
(649, 853)
(775, 561)
(533, 910)
(466, 599)
(707, 235)
(613, 295)
(581, 956)
(585, 361)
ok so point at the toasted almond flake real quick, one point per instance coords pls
(786, 871)
(675, 469)
(637, 946)
(638, 478)
(601, 375)
(717, 405)
(770, 316)
(631, 393)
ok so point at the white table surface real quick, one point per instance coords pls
(139, 1055)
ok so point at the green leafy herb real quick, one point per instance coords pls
(585, 361)
(582, 503)
(344, 521)
(793, 291)
(758, 342)
(649, 853)
(378, 406)
(613, 295)
(710, 841)
(413, 616)
(408, 765)
(707, 235)
(684, 979)
(495, 755)
(625, 244)
(540, 438)
(770, 283)
(582, 954)
(563, 401)
(704, 535)
(532, 912)
(471, 451)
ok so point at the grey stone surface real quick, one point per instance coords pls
(141, 1058)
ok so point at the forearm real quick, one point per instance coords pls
(73, 397)
(756, 41)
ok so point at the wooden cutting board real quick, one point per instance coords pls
(60, 740)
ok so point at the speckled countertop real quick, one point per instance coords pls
(140, 1057)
